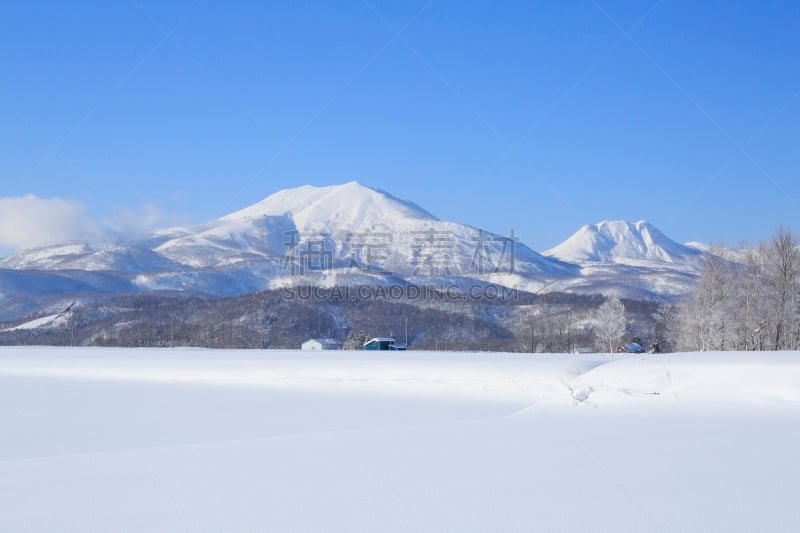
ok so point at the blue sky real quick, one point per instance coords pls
(537, 116)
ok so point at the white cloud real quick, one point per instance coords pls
(126, 223)
(27, 221)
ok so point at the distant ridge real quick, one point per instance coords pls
(362, 236)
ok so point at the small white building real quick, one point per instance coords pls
(321, 344)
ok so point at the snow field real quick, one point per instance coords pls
(199, 440)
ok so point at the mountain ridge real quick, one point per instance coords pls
(352, 234)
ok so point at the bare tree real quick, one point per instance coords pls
(749, 307)
(751, 303)
(355, 341)
(705, 321)
(782, 269)
(611, 323)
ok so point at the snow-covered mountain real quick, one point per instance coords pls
(288, 218)
(617, 241)
(347, 234)
(351, 234)
(328, 209)
(632, 259)
(89, 257)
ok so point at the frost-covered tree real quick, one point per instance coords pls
(355, 341)
(782, 278)
(748, 307)
(611, 323)
(706, 318)
(752, 303)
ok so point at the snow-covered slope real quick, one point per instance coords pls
(618, 241)
(352, 234)
(54, 320)
(632, 259)
(290, 217)
(84, 256)
(336, 235)
(328, 209)
(25, 291)
(355, 229)
(285, 440)
(697, 245)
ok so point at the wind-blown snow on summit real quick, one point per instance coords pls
(618, 241)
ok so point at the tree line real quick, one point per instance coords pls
(553, 322)
(745, 299)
